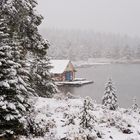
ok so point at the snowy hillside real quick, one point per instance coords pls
(62, 119)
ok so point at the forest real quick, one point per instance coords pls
(83, 44)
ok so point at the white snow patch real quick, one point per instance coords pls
(110, 123)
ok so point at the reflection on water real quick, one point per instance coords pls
(126, 78)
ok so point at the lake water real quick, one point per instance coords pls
(126, 79)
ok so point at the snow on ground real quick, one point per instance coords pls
(121, 124)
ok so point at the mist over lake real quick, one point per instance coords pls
(125, 77)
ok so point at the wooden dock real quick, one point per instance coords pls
(75, 82)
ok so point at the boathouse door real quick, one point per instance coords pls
(68, 76)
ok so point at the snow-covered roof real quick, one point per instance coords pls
(59, 66)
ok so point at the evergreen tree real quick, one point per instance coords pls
(137, 55)
(135, 106)
(42, 81)
(13, 92)
(24, 19)
(19, 37)
(19, 55)
(87, 119)
(110, 99)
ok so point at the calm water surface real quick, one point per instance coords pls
(126, 78)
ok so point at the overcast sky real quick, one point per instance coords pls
(116, 16)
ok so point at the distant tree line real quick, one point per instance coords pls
(81, 45)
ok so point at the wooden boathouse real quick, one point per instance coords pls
(62, 70)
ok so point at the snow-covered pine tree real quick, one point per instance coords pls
(87, 119)
(13, 92)
(19, 53)
(18, 37)
(25, 20)
(42, 81)
(110, 99)
(135, 106)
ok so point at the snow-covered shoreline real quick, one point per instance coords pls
(104, 61)
(110, 124)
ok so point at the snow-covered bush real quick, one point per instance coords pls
(123, 125)
(110, 99)
(118, 120)
(37, 124)
(37, 128)
(69, 119)
(39, 121)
